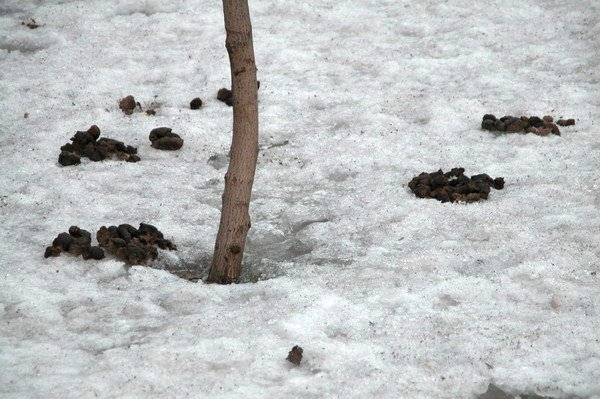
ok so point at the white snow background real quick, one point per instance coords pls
(390, 296)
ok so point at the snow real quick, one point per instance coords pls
(389, 295)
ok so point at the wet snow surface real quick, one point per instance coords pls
(389, 295)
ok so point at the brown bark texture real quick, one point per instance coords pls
(235, 218)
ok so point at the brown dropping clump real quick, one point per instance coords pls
(163, 138)
(128, 104)
(565, 122)
(31, 24)
(196, 103)
(295, 355)
(226, 95)
(133, 246)
(88, 144)
(532, 124)
(454, 186)
(77, 242)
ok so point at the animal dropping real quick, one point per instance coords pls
(77, 242)
(532, 124)
(454, 186)
(163, 138)
(295, 355)
(88, 144)
(133, 246)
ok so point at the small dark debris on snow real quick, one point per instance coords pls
(128, 104)
(226, 95)
(163, 138)
(133, 246)
(295, 355)
(565, 122)
(454, 186)
(532, 124)
(77, 242)
(196, 103)
(31, 24)
(87, 144)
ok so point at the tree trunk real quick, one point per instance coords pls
(235, 219)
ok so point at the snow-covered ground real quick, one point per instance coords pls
(389, 295)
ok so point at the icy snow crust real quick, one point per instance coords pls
(389, 295)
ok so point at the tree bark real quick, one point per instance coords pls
(235, 218)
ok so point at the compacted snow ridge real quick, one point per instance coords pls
(389, 295)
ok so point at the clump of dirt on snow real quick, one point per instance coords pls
(133, 246)
(128, 104)
(532, 124)
(454, 186)
(196, 103)
(87, 144)
(226, 95)
(31, 24)
(163, 138)
(295, 355)
(77, 242)
(565, 122)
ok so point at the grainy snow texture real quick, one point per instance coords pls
(389, 295)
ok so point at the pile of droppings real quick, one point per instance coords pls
(77, 242)
(532, 124)
(163, 138)
(87, 144)
(133, 246)
(454, 186)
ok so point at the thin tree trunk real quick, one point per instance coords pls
(235, 219)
